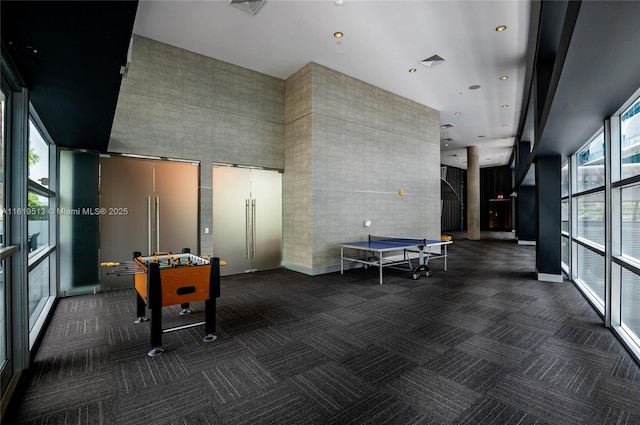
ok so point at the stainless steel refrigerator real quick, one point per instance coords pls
(147, 206)
(247, 219)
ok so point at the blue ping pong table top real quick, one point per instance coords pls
(392, 244)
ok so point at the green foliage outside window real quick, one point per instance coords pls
(35, 207)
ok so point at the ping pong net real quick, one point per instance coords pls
(398, 240)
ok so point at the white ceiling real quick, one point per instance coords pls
(382, 41)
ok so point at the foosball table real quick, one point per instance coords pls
(166, 279)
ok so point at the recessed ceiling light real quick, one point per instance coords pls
(412, 70)
(446, 145)
(504, 77)
(501, 28)
(504, 106)
(505, 125)
(338, 34)
(445, 133)
(475, 87)
(458, 113)
(338, 2)
(481, 136)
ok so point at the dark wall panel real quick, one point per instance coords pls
(452, 217)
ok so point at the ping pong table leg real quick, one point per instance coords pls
(422, 265)
(341, 260)
(380, 264)
(445, 257)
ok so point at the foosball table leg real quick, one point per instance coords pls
(210, 338)
(185, 309)
(155, 352)
(210, 303)
(155, 305)
(210, 320)
(140, 309)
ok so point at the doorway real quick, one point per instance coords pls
(500, 214)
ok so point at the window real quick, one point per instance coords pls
(38, 160)
(591, 273)
(565, 215)
(630, 300)
(38, 222)
(630, 140)
(41, 202)
(564, 175)
(590, 161)
(630, 221)
(587, 182)
(590, 212)
(39, 283)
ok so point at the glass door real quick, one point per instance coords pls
(266, 198)
(231, 219)
(247, 219)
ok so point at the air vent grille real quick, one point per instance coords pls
(431, 61)
(249, 6)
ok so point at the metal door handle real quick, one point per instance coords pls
(158, 223)
(149, 225)
(246, 228)
(253, 228)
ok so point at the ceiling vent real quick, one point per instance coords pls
(249, 6)
(431, 61)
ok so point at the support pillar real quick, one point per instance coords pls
(526, 200)
(473, 193)
(549, 218)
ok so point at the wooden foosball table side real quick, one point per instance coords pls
(157, 288)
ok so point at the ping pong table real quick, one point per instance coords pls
(378, 246)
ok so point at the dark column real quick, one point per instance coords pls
(526, 200)
(526, 215)
(548, 218)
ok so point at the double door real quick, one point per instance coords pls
(247, 219)
(148, 206)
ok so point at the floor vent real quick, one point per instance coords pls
(249, 6)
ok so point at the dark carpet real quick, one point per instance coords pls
(482, 343)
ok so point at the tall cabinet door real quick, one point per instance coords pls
(247, 219)
(231, 210)
(266, 198)
(176, 198)
(125, 185)
(150, 206)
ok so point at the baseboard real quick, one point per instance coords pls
(5, 401)
(530, 243)
(548, 277)
(316, 270)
